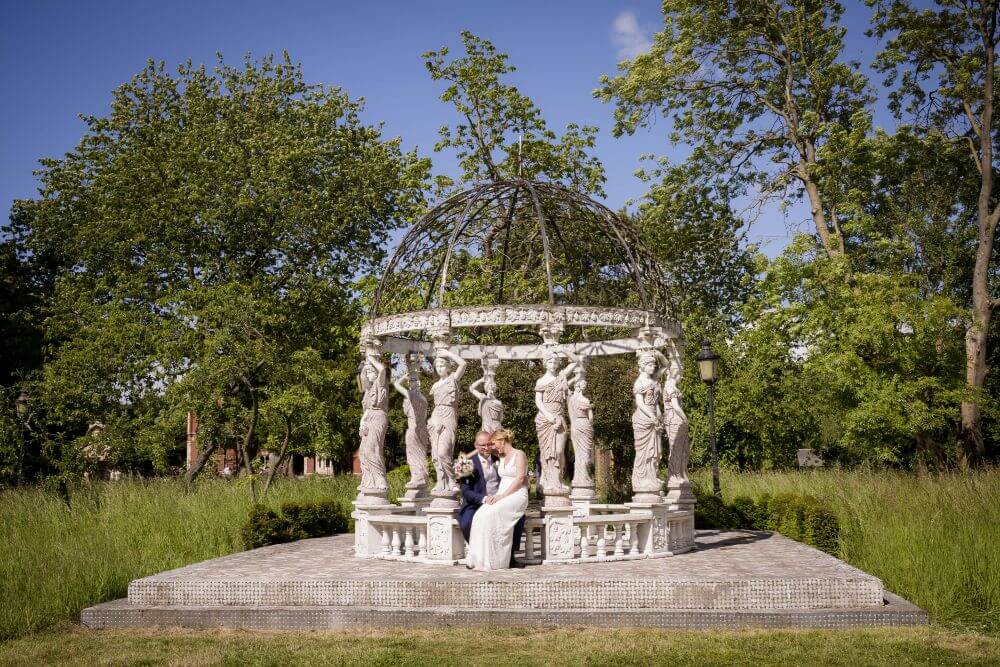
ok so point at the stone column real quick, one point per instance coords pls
(374, 487)
(417, 439)
(647, 424)
(679, 495)
(582, 436)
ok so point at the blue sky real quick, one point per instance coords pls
(61, 59)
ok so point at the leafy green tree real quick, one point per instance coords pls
(502, 133)
(944, 62)
(209, 230)
(756, 88)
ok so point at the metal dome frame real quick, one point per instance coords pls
(468, 216)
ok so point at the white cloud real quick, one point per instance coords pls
(628, 36)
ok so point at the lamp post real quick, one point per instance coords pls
(708, 368)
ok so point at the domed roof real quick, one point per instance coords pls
(518, 242)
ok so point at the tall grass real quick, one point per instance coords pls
(56, 559)
(933, 539)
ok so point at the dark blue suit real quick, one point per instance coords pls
(473, 495)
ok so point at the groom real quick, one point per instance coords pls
(484, 482)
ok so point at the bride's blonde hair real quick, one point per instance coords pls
(504, 435)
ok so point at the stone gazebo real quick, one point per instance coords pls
(505, 272)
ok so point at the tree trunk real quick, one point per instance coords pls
(199, 463)
(248, 440)
(982, 304)
(830, 245)
(277, 462)
(975, 362)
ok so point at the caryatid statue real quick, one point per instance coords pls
(443, 424)
(647, 426)
(679, 494)
(418, 440)
(581, 431)
(551, 393)
(490, 408)
(374, 422)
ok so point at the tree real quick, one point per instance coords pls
(503, 134)
(209, 230)
(944, 62)
(749, 84)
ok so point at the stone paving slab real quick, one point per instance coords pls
(732, 570)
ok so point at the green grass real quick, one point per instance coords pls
(483, 645)
(56, 560)
(933, 539)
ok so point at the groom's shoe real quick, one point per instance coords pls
(516, 564)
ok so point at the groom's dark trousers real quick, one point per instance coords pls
(473, 494)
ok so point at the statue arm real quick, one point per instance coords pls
(474, 391)
(460, 363)
(643, 408)
(541, 406)
(400, 387)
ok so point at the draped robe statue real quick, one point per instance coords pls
(417, 438)
(374, 424)
(443, 424)
(551, 392)
(647, 428)
(676, 422)
(581, 430)
(490, 409)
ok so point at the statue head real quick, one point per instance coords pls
(580, 386)
(441, 364)
(647, 363)
(413, 369)
(552, 361)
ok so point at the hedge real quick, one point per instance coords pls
(296, 521)
(802, 518)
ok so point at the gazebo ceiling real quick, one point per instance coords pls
(518, 242)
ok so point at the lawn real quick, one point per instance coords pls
(933, 539)
(474, 645)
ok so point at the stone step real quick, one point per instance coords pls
(733, 570)
(541, 594)
(121, 614)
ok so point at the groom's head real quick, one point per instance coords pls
(483, 445)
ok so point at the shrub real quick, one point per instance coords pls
(801, 518)
(297, 521)
(712, 512)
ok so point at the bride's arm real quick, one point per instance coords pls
(521, 464)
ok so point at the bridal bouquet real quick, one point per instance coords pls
(463, 466)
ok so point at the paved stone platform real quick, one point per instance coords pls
(731, 579)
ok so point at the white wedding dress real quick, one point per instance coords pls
(492, 536)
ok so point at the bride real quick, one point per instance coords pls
(492, 537)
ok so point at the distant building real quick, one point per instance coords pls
(227, 461)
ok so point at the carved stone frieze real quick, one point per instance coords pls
(477, 316)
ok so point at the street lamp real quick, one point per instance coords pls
(708, 368)
(21, 405)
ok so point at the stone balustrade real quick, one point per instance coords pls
(612, 537)
(402, 537)
(606, 533)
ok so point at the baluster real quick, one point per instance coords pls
(584, 541)
(395, 541)
(422, 541)
(633, 549)
(602, 544)
(386, 549)
(409, 541)
(619, 539)
(529, 542)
